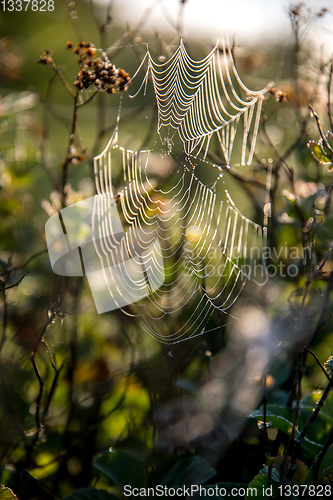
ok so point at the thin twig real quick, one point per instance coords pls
(68, 158)
(52, 313)
(38, 399)
(322, 318)
(54, 382)
(320, 456)
(319, 363)
(88, 100)
(320, 130)
(62, 79)
(131, 33)
(295, 443)
(15, 284)
(329, 86)
(4, 320)
(48, 170)
(180, 17)
(315, 412)
(74, 19)
(299, 374)
(13, 409)
(321, 265)
(265, 415)
(30, 259)
(273, 148)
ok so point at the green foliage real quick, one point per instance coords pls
(325, 231)
(259, 484)
(90, 494)
(326, 466)
(319, 152)
(322, 150)
(6, 493)
(279, 417)
(122, 468)
(283, 418)
(193, 470)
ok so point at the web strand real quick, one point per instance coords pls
(182, 251)
(205, 245)
(197, 99)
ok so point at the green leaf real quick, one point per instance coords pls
(260, 485)
(301, 473)
(308, 202)
(6, 493)
(193, 470)
(326, 466)
(282, 418)
(311, 447)
(324, 414)
(122, 468)
(318, 153)
(324, 421)
(90, 494)
(279, 416)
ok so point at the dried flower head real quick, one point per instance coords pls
(98, 72)
(279, 95)
(45, 58)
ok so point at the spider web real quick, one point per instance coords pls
(198, 250)
(199, 99)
